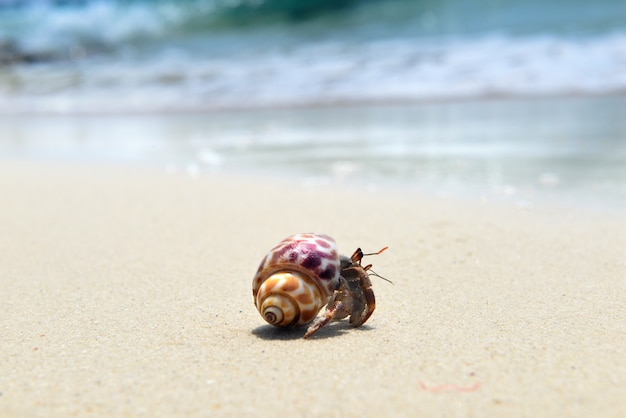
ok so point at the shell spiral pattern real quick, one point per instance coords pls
(296, 279)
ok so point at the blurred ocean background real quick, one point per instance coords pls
(516, 98)
(113, 55)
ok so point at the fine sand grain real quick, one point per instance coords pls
(127, 292)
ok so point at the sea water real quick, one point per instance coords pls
(504, 97)
(108, 55)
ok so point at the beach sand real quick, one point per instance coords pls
(126, 291)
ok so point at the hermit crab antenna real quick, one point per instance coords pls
(377, 252)
(373, 273)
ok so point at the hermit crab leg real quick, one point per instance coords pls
(324, 320)
(370, 301)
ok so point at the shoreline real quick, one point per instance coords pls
(525, 151)
(362, 103)
(542, 202)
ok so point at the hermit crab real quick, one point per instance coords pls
(303, 274)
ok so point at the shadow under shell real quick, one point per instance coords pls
(334, 329)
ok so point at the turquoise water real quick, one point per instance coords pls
(118, 56)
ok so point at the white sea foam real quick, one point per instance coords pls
(323, 73)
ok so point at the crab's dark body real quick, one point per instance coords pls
(353, 297)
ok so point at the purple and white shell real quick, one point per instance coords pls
(296, 279)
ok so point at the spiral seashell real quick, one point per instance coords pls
(296, 279)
